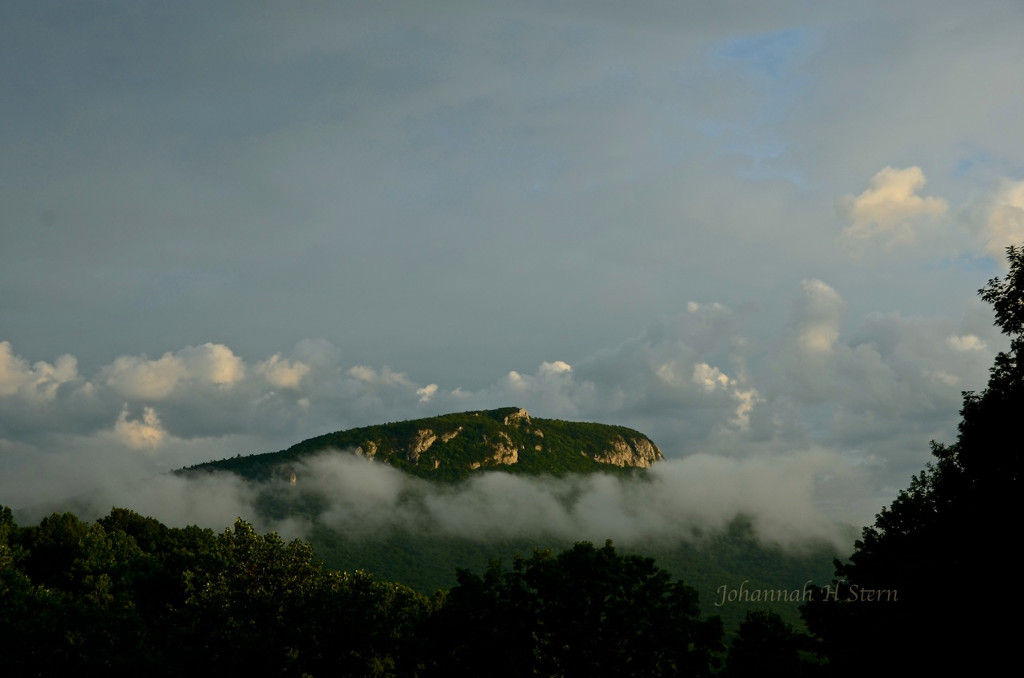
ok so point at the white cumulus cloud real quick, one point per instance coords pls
(889, 208)
(427, 392)
(37, 382)
(140, 434)
(709, 378)
(213, 363)
(1004, 223)
(556, 367)
(137, 378)
(281, 372)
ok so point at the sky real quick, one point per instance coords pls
(754, 231)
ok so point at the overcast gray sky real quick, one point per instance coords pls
(752, 230)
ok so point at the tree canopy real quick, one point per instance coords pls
(584, 612)
(127, 595)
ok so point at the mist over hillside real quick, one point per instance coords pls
(676, 500)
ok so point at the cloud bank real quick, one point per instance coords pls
(682, 500)
(860, 400)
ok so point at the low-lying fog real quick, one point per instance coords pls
(678, 499)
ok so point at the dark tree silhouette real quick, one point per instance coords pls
(584, 612)
(126, 595)
(936, 558)
(767, 646)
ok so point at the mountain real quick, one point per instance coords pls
(452, 447)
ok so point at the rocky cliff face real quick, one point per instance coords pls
(518, 417)
(421, 442)
(503, 452)
(636, 452)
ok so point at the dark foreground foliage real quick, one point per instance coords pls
(127, 595)
(583, 612)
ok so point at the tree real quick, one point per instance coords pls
(263, 606)
(73, 609)
(584, 612)
(766, 646)
(940, 549)
(243, 604)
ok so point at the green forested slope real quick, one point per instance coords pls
(451, 447)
